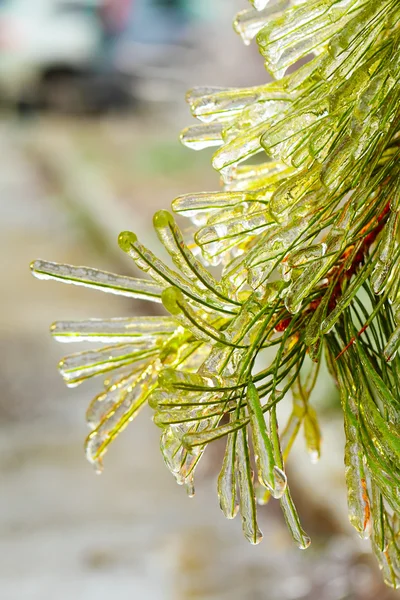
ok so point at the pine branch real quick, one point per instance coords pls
(307, 245)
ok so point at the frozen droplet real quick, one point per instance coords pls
(259, 4)
(314, 456)
(280, 482)
(190, 486)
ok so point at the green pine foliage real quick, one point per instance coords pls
(305, 235)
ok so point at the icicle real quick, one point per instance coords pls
(378, 525)
(293, 522)
(102, 280)
(78, 367)
(172, 450)
(199, 207)
(227, 480)
(268, 473)
(205, 135)
(298, 32)
(386, 251)
(118, 418)
(121, 391)
(238, 150)
(247, 501)
(288, 508)
(357, 493)
(217, 239)
(291, 191)
(115, 330)
(249, 22)
(264, 176)
(225, 105)
(392, 345)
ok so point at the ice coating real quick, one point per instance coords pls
(305, 219)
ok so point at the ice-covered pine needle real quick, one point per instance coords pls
(305, 232)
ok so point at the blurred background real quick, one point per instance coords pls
(92, 101)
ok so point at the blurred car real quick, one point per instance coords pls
(51, 52)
